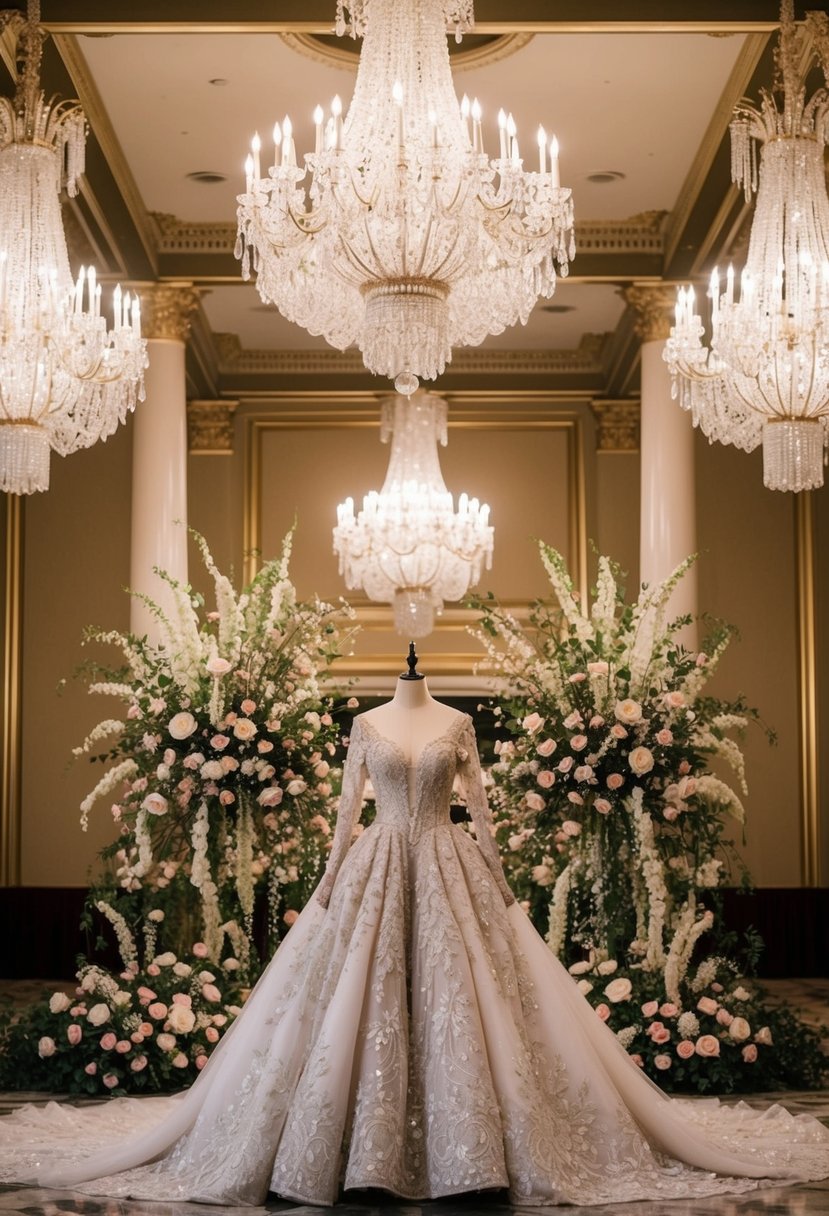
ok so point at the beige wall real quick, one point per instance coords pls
(77, 562)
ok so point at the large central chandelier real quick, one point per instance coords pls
(399, 233)
(409, 546)
(66, 379)
(765, 377)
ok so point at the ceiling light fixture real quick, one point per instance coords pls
(765, 377)
(66, 381)
(399, 233)
(408, 546)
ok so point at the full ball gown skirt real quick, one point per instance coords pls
(416, 1035)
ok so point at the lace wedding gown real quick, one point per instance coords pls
(417, 1035)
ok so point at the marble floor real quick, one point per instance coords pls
(811, 997)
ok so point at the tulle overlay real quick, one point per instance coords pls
(417, 1035)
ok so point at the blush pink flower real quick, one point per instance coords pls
(641, 760)
(707, 1046)
(211, 993)
(602, 806)
(74, 1034)
(577, 677)
(572, 720)
(662, 1061)
(763, 1036)
(158, 1010)
(147, 1029)
(227, 798)
(650, 1008)
(614, 781)
(664, 737)
(123, 1046)
(546, 778)
(565, 765)
(603, 1012)
(110, 1080)
(578, 743)
(685, 1049)
(138, 1064)
(749, 1053)
(659, 1033)
(182, 998)
(670, 813)
(575, 798)
(290, 916)
(668, 1010)
(674, 700)
(200, 1062)
(707, 1005)
(91, 1068)
(546, 747)
(153, 969)
(46, 1047)
(533, 723)
(638, 1061)
(180, 1060)
(219, 742)
(724, 1017)
(618, 731)
(200, 950)
(108, 1041)
(248, 706)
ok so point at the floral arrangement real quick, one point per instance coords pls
(149, 1028)
(612, 819)
(221, 765)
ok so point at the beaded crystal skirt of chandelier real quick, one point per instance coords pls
(399, 233)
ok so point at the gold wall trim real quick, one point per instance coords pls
(11, 774)
(492, 411)
(805, 559)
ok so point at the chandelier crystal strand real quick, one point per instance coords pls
(66, 380)
(765, 377)
(399, 233)
(408, 546)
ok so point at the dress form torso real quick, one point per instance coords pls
(412, 719)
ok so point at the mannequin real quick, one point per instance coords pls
(413, 718)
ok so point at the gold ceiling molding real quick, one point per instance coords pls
(344, 53)
(234, 359)
(167, 310)
(654, 305)
(617, 425)
(210, 427)
(639, 234)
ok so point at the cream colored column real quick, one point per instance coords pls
(159, 454)
(668, 532)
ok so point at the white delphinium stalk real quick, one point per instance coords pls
(725, 749)
(652, 872)
(106, 688)
(202, 880)
(701, 674)
(126, 942)
(603, 613)
(231, 619)
(182, 638)
(705, 975)
(239, 942)
(557, 930)
(105, 729)
(243, 858)
(111, 778)
(647, 627)
(713, 790)
(144, 842)
(563, 586)
(674, 972)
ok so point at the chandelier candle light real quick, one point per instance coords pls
(765, 378)
(399, 233)
(66, 380)
(408, 546)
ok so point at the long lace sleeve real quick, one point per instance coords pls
(469, 768)
(348, 812)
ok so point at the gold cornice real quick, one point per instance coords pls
(12, 694)
(167, 310)
(654, 305)
(809, 724)
(210, 427)
(736, 85)
(99, 122)
(617, 425)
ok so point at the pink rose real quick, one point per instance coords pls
(662, 1062)
(546, 747)
(572, 720)
(707, 1005)
(628, 711)
(219, 742)
(638, 1061)
(596, 721)
(763, 1036)
(92, 1068)
(668, 1010)
(211, 993)
(674, 700)
(110, 1080)
(46, 1047)
(532, 723)
(123, 1046)
(641, 760)
(583, 773)
(136, 1037)
(565, 765)
(685, 1049)
(145, 995)
(272, 796)
(546, 778)
(74, 1034)
(671, 813)
(749, 1053)
(264, 746)
(701, 659)
(227, 798)
(147, 1029)
(578, 743)
(707, 1045)
(158, 1010)
(739, 1030)
(602, 806)
(534, 801)
(664, 737)
(217, 666)
(200, 1062)
(182, 998)
(108, 1041)
(180, 1060)
(248, 706)
(244, 729)
(290, 916)
(577, 677)
(618, 731)
(153, 969)
(724, 1017)
(603, 1012)
(684, 766)
(650, 1008)
(575, 798)
(659, 1033)
(614, 781)
(570, 828)
(138, 1064)
(211, 1034)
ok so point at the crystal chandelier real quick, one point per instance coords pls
(400, 233)
(765, 378)
(66, 381)
(408, 546)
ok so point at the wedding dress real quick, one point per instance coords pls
(416, 1035)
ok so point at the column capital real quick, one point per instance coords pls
(617, 425)
(167, 310)
(654, 305)
(210, 427)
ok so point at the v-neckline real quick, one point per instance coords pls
(366, 721)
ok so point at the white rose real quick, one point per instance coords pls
(584, 986)
(231, 964)
(641, 760)
(628, 711)
(313, 720)
(543, 875)
(162, 772)
(581, 967)
(322, 769)
(212, 770)
(155, 804)
(619, 990)
(607, 967)
(206, 977)
(59, 1002)
(121, 999)
(532, 723)
(182, 969)
(244, 729)
(182, 726)
(98, 1014)
(165, 960)
(296, 787)
(740, 994)
(217, 666)
(181, 1019)
(739, 1030)
(166, 1042)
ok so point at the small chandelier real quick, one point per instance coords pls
(66, 381)
(765, 378)
(399, 233)
(408, 546)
